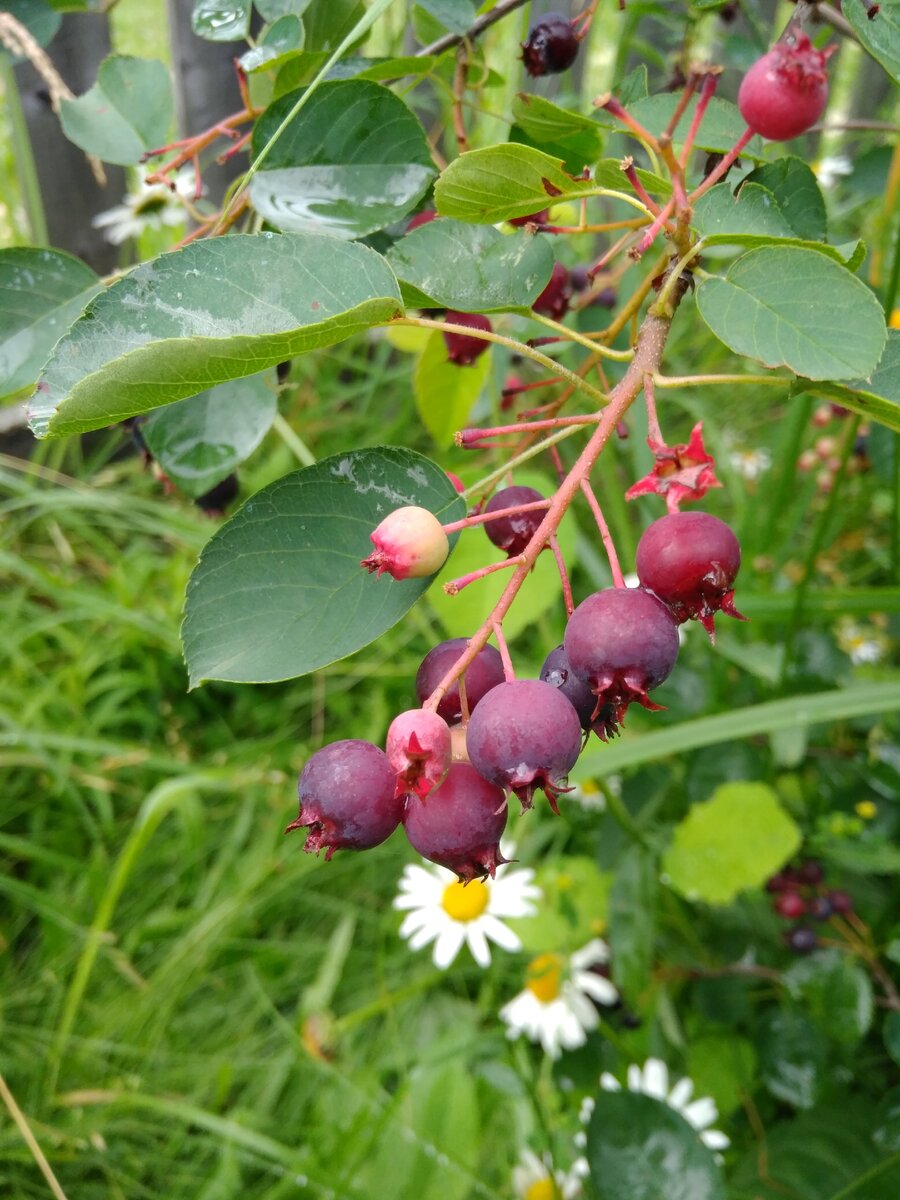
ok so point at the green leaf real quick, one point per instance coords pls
(472, 268)
(445, 393)
(879, 396)
(891, 1034)
(279, 590)
(499, 182)
(328, 22)
(199, 441)
(792, 1058)
(281, 42)
(722, 1065)
(543, 121)
(639, 1148)
(573, 908)
(754, 218)
(460, 615)
(632, 921)
(881, 34)
(444, 1115)
(127, 112)
(871, 855)
(455, 15)
(354, 160)
(38, 18)
(221, 20)
(216, 310)
(836, 994)
(729, 843)
(272, 10)
(797, 194)
(793, 307)
(41, 294)
(721, 128)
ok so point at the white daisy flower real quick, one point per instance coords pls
(535, 1179)
(751, 464)
(449, 913)
(588, 795)
(653, 1080)
(830, 169)
(556, 1006)
(152, 206)
(862, 644)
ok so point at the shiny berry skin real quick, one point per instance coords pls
(623, 642)
(690, 561)
(785, 91)
(554, 299)
(410, 543)
(513, 533)
(347, 798)
(551, 46)
(558, 672)
(418, 749)
(461, 348)
(523, 736)
(483, 673)
(790, 905)
(460, 824)
(801, 939)
(840, 901)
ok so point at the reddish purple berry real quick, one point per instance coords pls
(538, 218)
(554, 299)
(559, 674)
(840, 901)
(460, 824)
(801, 939)
(811, 871)
(623, 642)
(347, 798)
(421, 218)
(513, 533)
(418, 749)
(690, 561)
(785, 91)
(790, 905)
(551, 45)
(463, 349)
(410, 543)
(523, 736)
(778, 883)
(483, 673)
(820, 908)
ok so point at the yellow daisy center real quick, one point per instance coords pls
(544, 980)
(542, 1189)
(867, 809)
(895, 319)
(465, 901)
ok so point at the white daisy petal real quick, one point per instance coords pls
(448, 945)
(656, 1078)
(474, 935)
(499, 933)
(680, 1094)
(422, 937)
(701, 1113)
(715, 1139)
(601, 989)
(653, 1080)
(609, 1083)
(635, 1078)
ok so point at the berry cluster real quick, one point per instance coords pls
(481, 735)
(799, 892)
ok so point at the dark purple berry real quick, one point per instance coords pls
(820, 908)
(551, 45)
(523, 736)
(558, 673)
(513, 533)
(623, 642)
(778, 883)
(419, 751)
(483, 673)
(801, 939)
(216, 500)
(790, 905)
(538, 218)
(347, 798)
(554, 299)
(811, 871)
(460, 824)
(840, 901)
(690, 560)
(461, 348)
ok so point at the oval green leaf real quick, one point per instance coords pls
(721, 127)
(879, 396)
(472, 268)
(881, 34)
(498, 182)
(445, 393)
(638, 1148)
(214, 311)
(199, 441)
(796, 191)
(354, 160)
(279, 591)
(41, 294)
(128, 111)
(795, 308)
(221, 20)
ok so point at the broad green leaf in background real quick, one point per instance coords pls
(543, 121)
(455, 15)
(793, 307)
(796, 190)
(281, 41)
(199, 441)
(574, 906)
(835, 992)
(272, 10)
(632, 921)
(869, 855)
(881, 34)
(722, 1065)
(352, 161)
(39, 18)
(498, 182)
(460, 615)
(279, 590)
(328, 22)
(218, 309)
(445, 393)
(639, 1148)
(221, 20)
(41, 294)
(729, 843)
(879, 396)
(128, 111)
(471, 268)
(721, 127)
(793, 1055)
(891, 1033)
(444, 1114)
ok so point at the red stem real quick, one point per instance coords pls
(480, 518)
(453, 586)
(710, 83)
(563, 575)
(468, 437)
(605, 535)
(727, 162)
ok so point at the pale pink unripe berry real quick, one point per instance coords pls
(410, 543)
(785, 91)
(419, 751)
